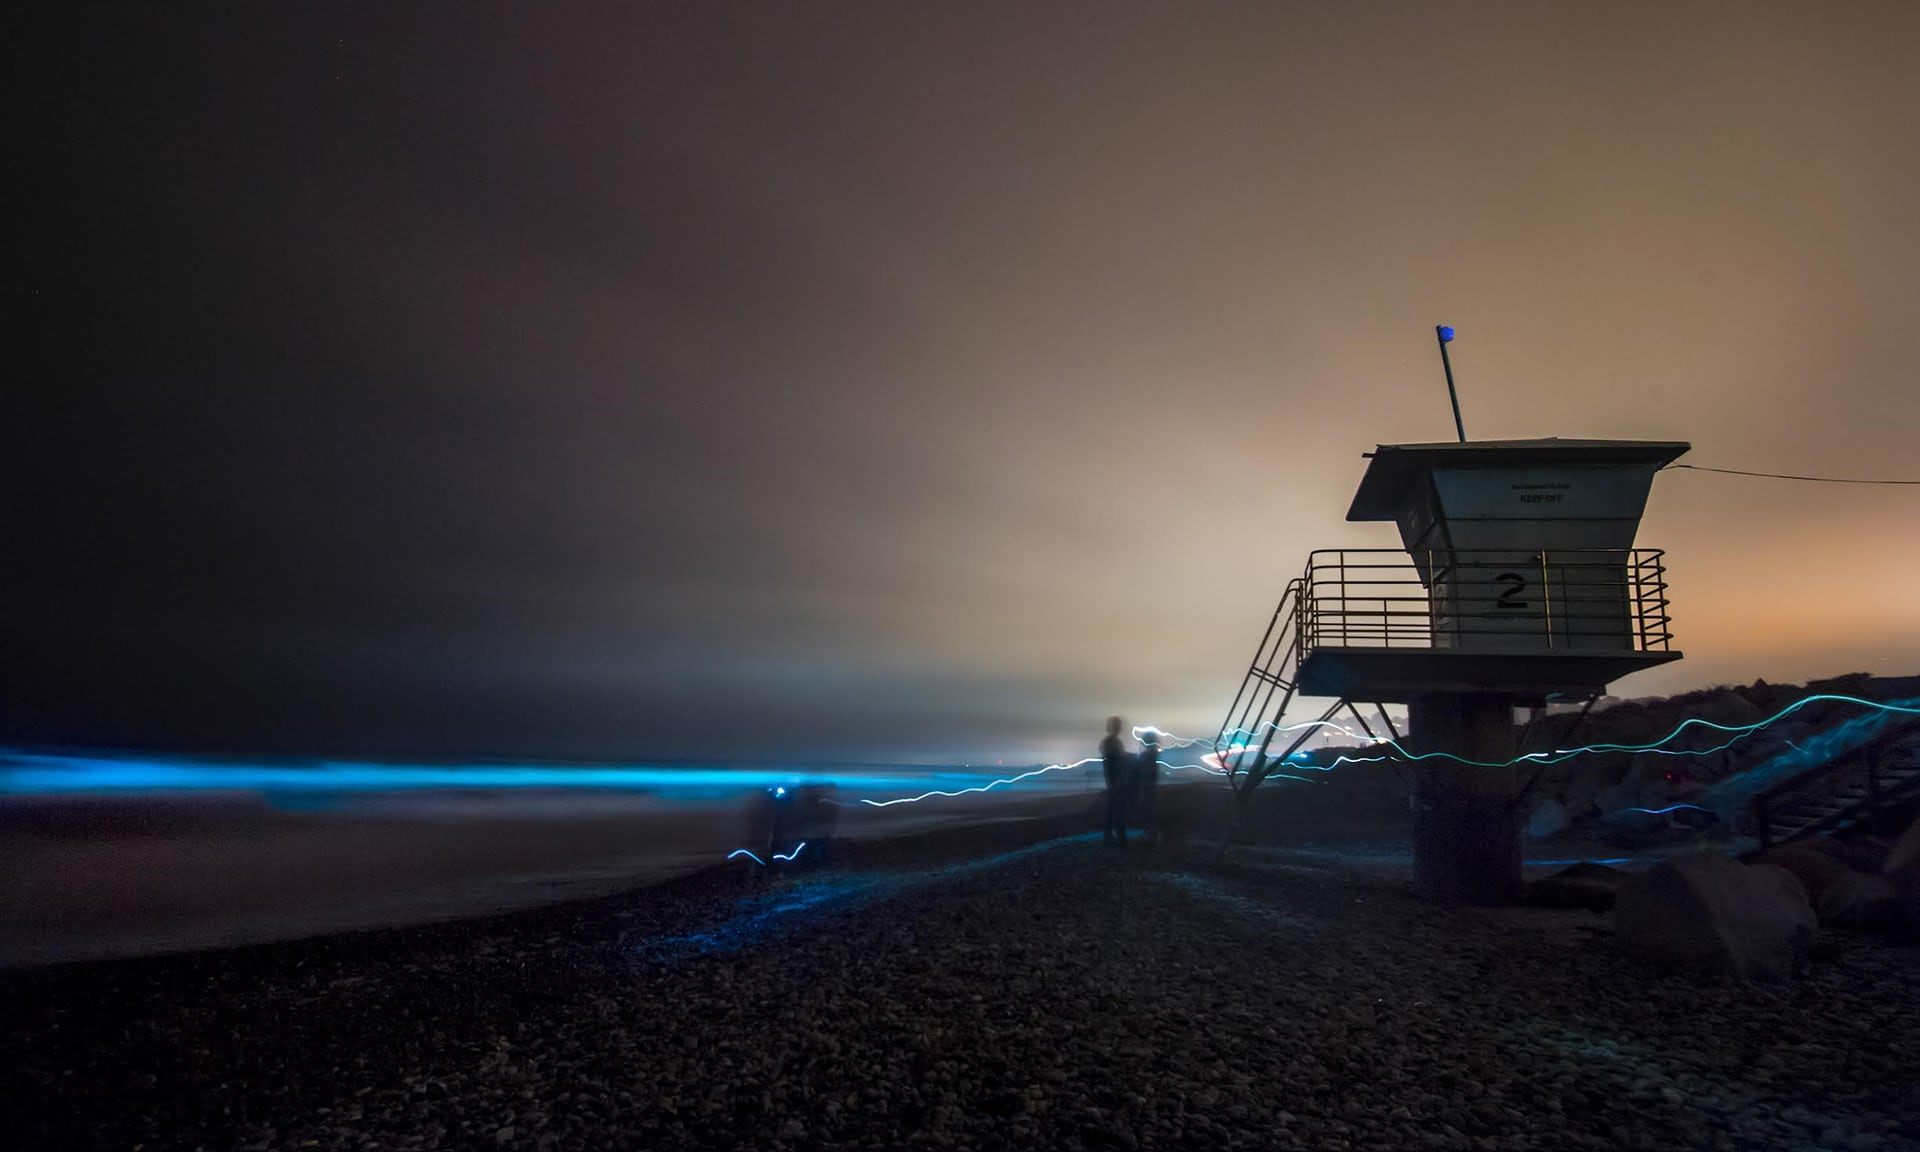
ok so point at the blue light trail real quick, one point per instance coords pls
(1169, 740)
(1041, 771)
(1559, 755)
(1556, 756)
(749, 854)
(37, 773)
(778, 857)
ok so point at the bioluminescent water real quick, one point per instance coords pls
(28, 773)
(57, 774)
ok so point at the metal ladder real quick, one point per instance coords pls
(1253, 714)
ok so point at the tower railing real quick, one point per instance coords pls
(1487, 600)
(1466, 600)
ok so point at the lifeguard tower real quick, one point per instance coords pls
(1519, 583)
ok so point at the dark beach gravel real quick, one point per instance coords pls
(1051, 996)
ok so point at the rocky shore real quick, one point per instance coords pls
(963, 993)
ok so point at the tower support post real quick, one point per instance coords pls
(1466, 834)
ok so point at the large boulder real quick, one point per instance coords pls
(1629, 722)
(1851, 851)
(1862, 902)
(1827, 846)
(1770, 698)
(1730, 708)
(1548, 818)
(1816, 868)
(1867, 853)
(1709, 914)
(1908, 929)
(1583, 885)
(1905, 852)
(1617, 798)
(1587, 778)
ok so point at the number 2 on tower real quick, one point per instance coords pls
(1516, 584)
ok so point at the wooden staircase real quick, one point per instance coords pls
(1866, 788)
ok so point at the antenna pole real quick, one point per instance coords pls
(1445, 336)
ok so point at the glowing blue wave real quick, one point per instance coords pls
(51, 773)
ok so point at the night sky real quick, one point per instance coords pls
(906, 381)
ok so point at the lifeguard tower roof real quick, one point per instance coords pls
(1519, 573)
(1383, 495)
(1520, 579)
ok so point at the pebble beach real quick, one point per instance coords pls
(1017, 987)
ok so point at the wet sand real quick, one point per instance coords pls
(90, 877)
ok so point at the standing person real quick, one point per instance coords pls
(1146, 781)
(1117, 763)
(817, 806)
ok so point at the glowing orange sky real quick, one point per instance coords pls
(904, 380)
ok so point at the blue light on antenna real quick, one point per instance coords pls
(1446, 334)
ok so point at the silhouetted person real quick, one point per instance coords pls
(1118, 766)
(763, 828)
(1173, 817)
(817, 817)
(1146, 783)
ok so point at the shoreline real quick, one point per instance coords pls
(182, 875)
